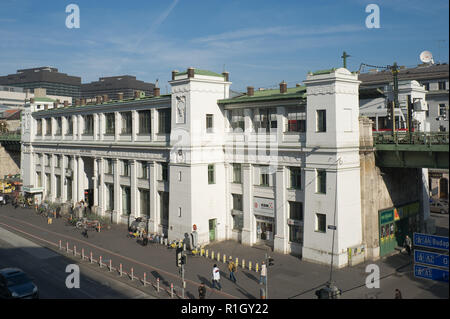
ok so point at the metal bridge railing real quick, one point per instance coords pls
(416, 138)
(8, 136)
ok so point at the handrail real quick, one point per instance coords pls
(421, 138)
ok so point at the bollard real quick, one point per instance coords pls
(74, 250)
(67, 247)
(132, 274)
(206, 253)
(224, 259)
(82, 253)
(249, 265)
(91, 257)
(262, 293)
(145, 278)
(60, 246)
(257, 267)
(157, 284)
(120, 270)
(243, 263)
(218, 256)
(237, 262)
(110, 265)
(100, 262)
(212, 255)
(171, 290)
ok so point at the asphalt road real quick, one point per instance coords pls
(48, 271)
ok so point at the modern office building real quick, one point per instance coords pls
(112, 86)
(12, 97)
(276, 167)
(54, 82)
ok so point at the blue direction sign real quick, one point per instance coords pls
(430, 273)
(430, 241)
(430, 258)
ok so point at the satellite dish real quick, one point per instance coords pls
(426, 57)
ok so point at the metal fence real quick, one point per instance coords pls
(417, 138)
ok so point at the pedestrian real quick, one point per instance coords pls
(85, 232)
(408, 245)
(232, 269)
(202, 291)
(216, 277)
(263, 274)
(398, 294)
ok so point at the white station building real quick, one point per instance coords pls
(270, 166)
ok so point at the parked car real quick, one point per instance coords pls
(439, 206)
(14, 283)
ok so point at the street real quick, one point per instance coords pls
(289, 278)
(47, 269)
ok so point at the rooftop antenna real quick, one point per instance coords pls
(426, 57)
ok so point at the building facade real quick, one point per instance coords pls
(56, 83)
(112, 86)
(272, 167)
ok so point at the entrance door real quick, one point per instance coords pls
(264, 231)
(212, 229)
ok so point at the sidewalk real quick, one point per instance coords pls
(290, 277)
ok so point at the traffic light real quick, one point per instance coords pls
(183, 259)
(389, 110)
(269, 261)
(178, 256)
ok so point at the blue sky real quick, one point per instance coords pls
(260, 42)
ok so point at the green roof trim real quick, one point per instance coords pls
(319, 72)
(43, 99)
(268, 95)
(202, 72)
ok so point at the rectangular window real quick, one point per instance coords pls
(209, 123)
(237, 174)
(427, 86)
(39, 179)
(321, 118)
(237, 202)
(126, 168)
(211, 175)
(296, 177)
(110, 123)
(48, 186)
(109, 197)
(88, 125)
(144, 196)
(238, 220)
(264, 120)
(69, 125)
(39, 127)
(296, 234)
(126, 200)
(47, 160)
(144, 170)
(69, 188)
(321, 181)
(144, 122)
(442, 85)
(58, 129)
(126, 122)
(164, 121)
(58, 186)
(164, 172)
(442, 110)
(321, 223)
(109, 166)
(296, 119)
(164, 208)
(237, 120)
(264, 176)
(48, 130)
(57, 161)
(296, 210)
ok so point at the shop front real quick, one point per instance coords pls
(395, 223)
(264, 211)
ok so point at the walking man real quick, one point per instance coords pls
(263, 275)
(232, 269)
(216, 277)
(398, 294)
(202, 291)
(408, 245)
